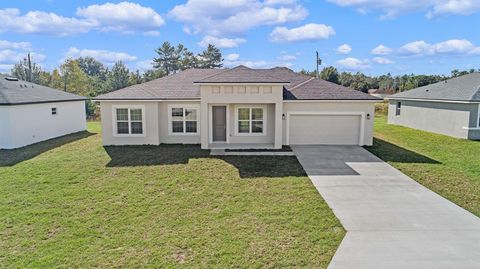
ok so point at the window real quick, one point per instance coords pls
(251, 120)
(183, 120)
(129, 121)
(398, 108)
(54, 111)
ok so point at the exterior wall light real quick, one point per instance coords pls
(368, 116)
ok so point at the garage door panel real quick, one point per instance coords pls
(324, 129)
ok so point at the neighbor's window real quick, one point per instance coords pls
(398, 108)
(54, 111)
(183, 120)
(129, 121)
(250, 120)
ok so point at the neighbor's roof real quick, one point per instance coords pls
(464, 88)
(18, 92)
(182, 86)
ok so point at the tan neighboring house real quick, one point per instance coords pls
(237, 108)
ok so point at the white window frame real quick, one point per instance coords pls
(128, 107)
(265, 122)
(183, 106)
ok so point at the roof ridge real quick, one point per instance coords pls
(301, 84)
(224, 70)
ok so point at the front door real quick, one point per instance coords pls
(219, 114)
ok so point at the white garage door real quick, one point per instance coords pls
(324, 129)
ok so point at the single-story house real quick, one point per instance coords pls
(450, 107)
(31, 113)
(237, 108)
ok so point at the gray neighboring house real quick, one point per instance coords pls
(450, 107)
(237, 108)
(30, 113)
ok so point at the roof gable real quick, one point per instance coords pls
(463, 88)
(16, 92)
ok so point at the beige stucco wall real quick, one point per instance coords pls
(151, 127)
(271, 94)
(332, 107)
(165, 137)
(269, 137)
(437, 117)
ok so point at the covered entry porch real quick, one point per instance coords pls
(244, 126)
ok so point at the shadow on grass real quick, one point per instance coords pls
(10, 157)
(248, 166)
(392, 153)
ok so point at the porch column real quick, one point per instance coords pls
(278, 125)
(204, 124)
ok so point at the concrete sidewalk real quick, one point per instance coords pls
(391, 220)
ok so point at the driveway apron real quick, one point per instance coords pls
(391, 220)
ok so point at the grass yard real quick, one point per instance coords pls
(446, 165)
(72, 203)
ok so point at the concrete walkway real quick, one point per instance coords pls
(391, 220)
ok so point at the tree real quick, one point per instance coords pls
(210, 58)
(168, 58)
(92, 67)
(27, 70)
(329, 74)
(135, 78)
(118, 77)
(77, 81)
(153, 74)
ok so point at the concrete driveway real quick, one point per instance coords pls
(391, 220)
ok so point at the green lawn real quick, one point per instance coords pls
(446, 165)
(72, 203)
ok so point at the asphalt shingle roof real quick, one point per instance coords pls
(242, 74)
(16, 92)
(175, 86)
(464, 88)
(182, 85)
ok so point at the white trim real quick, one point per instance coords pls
(210, 123)
(326, 113)
(114, 120)
(471, 128)
(432, 100)
(332, 101)
(183, 106)
(265, 122)
(478, 117)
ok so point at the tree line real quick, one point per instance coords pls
(89, 77)
(387, 83)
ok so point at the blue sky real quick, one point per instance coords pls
(371, 36)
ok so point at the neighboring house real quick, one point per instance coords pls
(380, 93)
(31, 113)
(450, 107)
(237, 108)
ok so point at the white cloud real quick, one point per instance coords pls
(382, 60)
(38, 22)
(5, 44)
(232, 57)
(353, 64)
(455, 7)
(105, 56)
(393, 8)
(422, 48)
(381, 50)
(12, 57)
(123, 17)
(344, 49)
(143, 65)
(286, 57)
(226, 43)
(307, 32)
(220, 18)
